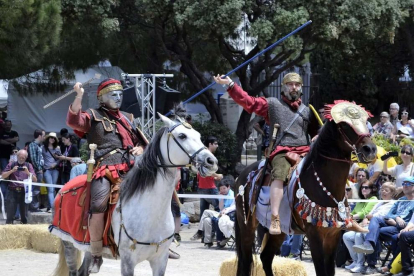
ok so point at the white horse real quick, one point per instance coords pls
(142, 222)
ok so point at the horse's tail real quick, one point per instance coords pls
(62, 265)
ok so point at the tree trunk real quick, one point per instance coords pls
(242, 132)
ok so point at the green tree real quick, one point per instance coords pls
(204, 36)
(29, 29)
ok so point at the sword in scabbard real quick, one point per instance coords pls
(96, 77)
(269, 150)
(91, 164)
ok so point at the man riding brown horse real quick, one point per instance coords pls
(117, 139)
(297, 124)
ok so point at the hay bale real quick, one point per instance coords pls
(280, 266)
(28, 236)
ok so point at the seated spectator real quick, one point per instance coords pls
(406, 240)
(405, 127)
(384, 126)
(385, 228)
(362, 175)
(297, 241)
(359, 213)
(229, 213)
(374, 170)
(400, 172)
(19, 171)
(205, 226)
(78, 167)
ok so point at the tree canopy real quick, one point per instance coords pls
(352, 44)
(29, 30)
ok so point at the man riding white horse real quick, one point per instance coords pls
(296, 122)
(118, 140)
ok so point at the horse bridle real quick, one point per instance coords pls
(352, 146)
(190, 156)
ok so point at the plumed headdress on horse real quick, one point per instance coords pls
(348, 112)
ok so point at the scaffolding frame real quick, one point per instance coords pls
(145, 85)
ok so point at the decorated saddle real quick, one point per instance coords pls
(71, 203)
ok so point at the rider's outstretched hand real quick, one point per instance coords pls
(218, 79)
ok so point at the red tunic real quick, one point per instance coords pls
(81, 123)
(260, 106)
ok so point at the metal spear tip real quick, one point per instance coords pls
(92, 146)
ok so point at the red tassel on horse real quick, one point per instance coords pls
(334, 223)
(299, 208)
(319, 223)
(304, 216)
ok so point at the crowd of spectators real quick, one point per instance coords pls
(47, 158)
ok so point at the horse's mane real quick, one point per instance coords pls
(142, 175)
(327, 134)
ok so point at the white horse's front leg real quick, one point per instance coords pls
(159, 264)
(127, 265)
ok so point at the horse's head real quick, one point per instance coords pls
(182, 146)
(351, 121)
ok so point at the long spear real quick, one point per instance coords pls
(246, 62)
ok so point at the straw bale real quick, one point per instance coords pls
(28, 236)
(281, 267)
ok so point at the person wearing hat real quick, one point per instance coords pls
(118, 140)
(283, 112)
(51, 153)
(384, 126)
(405, 127)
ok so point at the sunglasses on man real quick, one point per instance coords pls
(407, 184)
(405, 152)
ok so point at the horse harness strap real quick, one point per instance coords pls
(134, 241)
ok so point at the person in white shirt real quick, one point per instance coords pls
(400, 172)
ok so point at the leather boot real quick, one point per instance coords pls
(275, 226)
(96, 262)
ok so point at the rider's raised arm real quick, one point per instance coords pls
(249, 103)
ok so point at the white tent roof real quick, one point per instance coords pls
(27, 113)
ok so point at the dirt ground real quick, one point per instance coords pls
(195, 260)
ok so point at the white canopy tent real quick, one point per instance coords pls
(27, 112)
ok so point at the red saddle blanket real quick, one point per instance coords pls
(70, 207)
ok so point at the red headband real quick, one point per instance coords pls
(108, 82)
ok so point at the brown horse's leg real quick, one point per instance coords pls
(272, 247)
(330, 245)
(245, 238)
(316, 247)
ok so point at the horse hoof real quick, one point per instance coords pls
(95, 264)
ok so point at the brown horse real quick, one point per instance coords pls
(330, 157)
